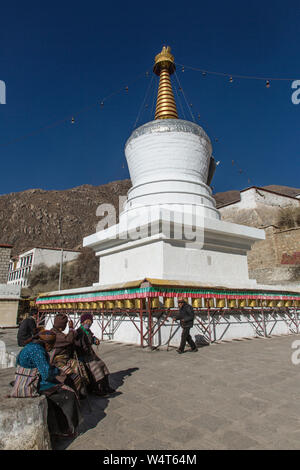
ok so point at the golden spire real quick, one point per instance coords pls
(164, 67)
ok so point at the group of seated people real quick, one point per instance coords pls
(68, 367)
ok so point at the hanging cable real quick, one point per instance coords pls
(154, 96)
(70, 118)
(179, 101)
(144, 101)
(247, 77)
(193, 118)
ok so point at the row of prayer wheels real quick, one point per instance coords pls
(102, 305)
(169, 303)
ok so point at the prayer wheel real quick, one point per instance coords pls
(209, 302)
(221, 303)
(242, 303)
(232, 303)
(109, 304)
(288, 303)
(80, 306)
(101, 305)
(155, 302)
(129, 303)
(280, 303)
(197, 303)
(64, 306)
(94, 305)
(169, 302)
(119, 304)
(252, 303)
(272, 303)
(296, 303)
(138, 303)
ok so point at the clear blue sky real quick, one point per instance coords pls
(60, 57)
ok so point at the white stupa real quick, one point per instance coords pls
(170, 228)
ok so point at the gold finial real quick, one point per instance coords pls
(164, 67)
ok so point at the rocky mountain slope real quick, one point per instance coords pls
(62, 218)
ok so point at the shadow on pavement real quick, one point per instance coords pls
(95, 413)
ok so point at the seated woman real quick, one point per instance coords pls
(96, 368)
(63, 407)
(63, 352)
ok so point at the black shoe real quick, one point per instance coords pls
(110, 390)
(194, 350)
(179, 351)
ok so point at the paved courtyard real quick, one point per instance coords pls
(233, 395)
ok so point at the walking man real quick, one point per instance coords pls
(186, 316)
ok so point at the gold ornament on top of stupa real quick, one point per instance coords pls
(164, 67)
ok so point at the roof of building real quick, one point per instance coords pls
(259, 189)
(49, 248)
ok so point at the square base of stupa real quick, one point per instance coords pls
(211, 251)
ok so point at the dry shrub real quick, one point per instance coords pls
(289, 217)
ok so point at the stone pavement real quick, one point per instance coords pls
(233, 395)
(242, 394)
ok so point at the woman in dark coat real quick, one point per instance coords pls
(63, 352)
(96, 368)
(63, 406)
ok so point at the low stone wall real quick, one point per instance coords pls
(23, 421)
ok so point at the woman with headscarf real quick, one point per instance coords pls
(96, 368)
(63, 406)
(63, 352)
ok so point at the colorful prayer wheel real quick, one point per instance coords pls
(221, 303)
(209, 303)
(129, 303)
(155, 302)
(288, 303)
(242, 303)
(109, 304)
(232, 303)
(271, 303)
(197, 303)
(119, 304)
(169, 302)
(138, 303)
(280, 303)
(252, 303)
(80, 306)
(101, 304)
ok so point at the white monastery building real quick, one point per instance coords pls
(21, 266)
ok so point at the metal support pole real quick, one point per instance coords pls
(264, 322)
(149, 322)
(141, 324)
(209, 325)
(60, 269)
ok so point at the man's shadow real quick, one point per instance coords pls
(92, 407)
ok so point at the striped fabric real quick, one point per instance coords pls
(26, 383)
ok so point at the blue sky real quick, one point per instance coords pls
(58, 58)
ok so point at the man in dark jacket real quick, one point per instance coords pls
(28, 328)
(186, 316)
